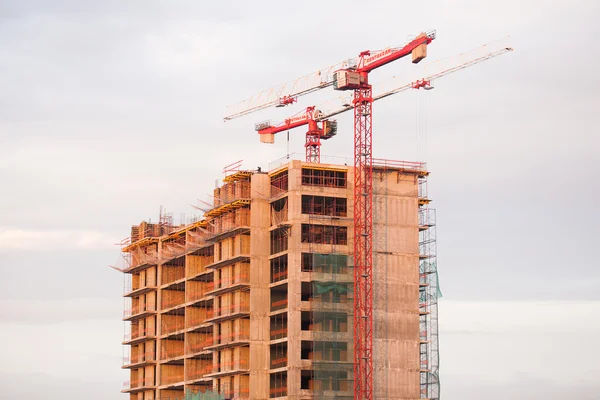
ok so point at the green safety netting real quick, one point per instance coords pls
(432, 268)
(332, 366)
(209, 395)
(437, 282)
(330, 259)
(323, 287)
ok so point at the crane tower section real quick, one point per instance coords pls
(358, 80)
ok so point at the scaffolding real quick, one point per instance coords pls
(429, 293)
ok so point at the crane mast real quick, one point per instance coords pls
(363, 244)
(358, 80)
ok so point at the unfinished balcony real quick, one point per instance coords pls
(324, 352)
(173, 297)
(231, 250)
(324, 177)
(172, 324)
(278, 355)
(231, 223)
(198, 317)
(323, 326)
(231, 305)
(171, 275)
(232, 387)
(236, 187)
(138, 382)
(173, 249)
(139, 310)
(172, 376)
(172, 350)
(324, 238)
(195, 234)
(231, 333)
(199, 343)
(239, 393)
(279, 326)
(139, 332)
(140, 283)
(279, 212)
(279, 268)
(139, 358)
(141, 256)
(324, 206)
(279, 298)
(231, 278)
(326, 369)
(279, 183)
(198, 291)
(197, 371)
(279, 238)
(231, 361)
(196, 262)
(326, 267)
(327, 297)
(278, 385)
(325, 384)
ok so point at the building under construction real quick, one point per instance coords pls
(256, 299)
(308, 281)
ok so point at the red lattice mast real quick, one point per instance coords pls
(358, 80)
(363, 244)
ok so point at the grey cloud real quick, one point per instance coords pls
(60, 275)
(39, 385)
(50, 311)
(521, 387)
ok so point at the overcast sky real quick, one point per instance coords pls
(110, 109)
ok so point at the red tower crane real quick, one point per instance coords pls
(315, 133)
(356, 78)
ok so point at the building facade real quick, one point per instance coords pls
(255, 301)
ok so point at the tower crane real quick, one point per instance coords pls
(322, 127)
(315, 133)
(351, 76)
(358, 81)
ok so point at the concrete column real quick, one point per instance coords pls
(259, 286)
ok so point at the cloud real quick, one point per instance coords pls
(18, 239)
(87, 351)
(45, 386)
(514, 317)
(457, 386)
(501, 344)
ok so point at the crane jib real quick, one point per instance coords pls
(391, 54)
